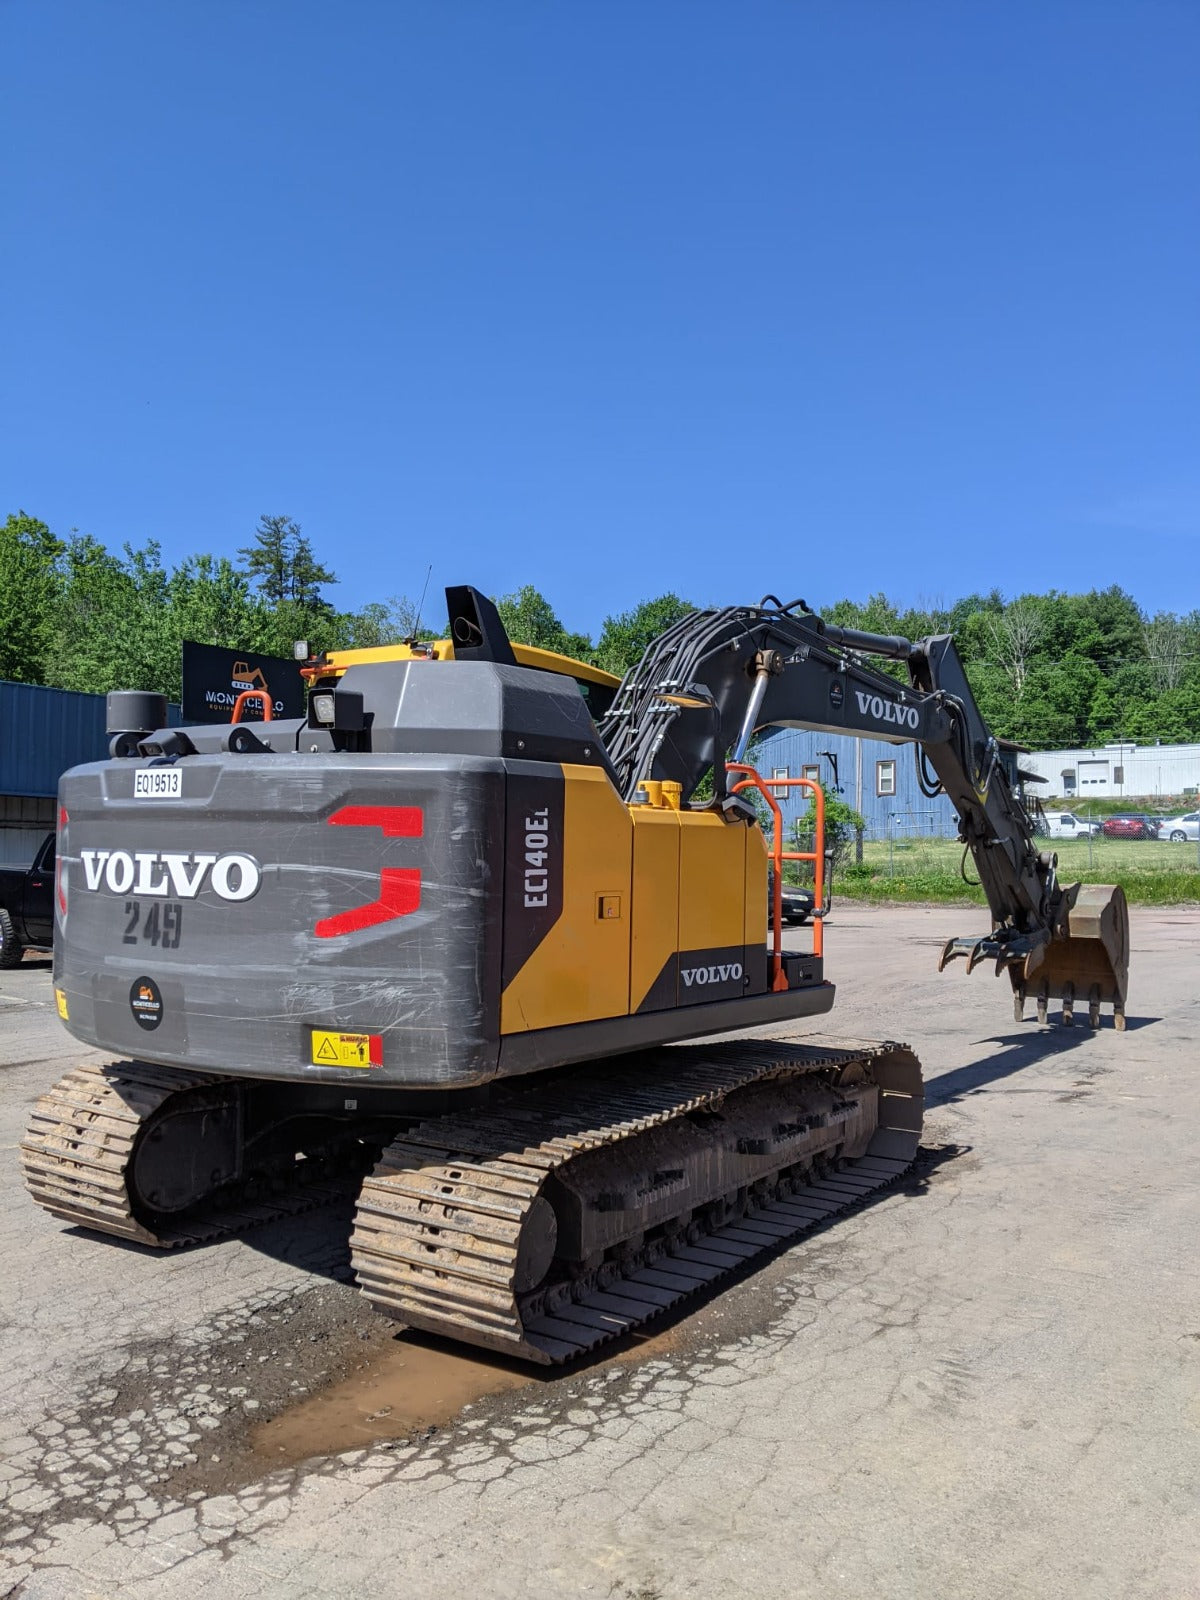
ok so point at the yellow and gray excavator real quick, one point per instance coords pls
(453, 936)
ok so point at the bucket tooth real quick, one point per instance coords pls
(1068, 1005)
(1094, 1006)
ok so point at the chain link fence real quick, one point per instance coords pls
(913, 852)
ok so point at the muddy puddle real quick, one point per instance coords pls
(413, 1384)
(410, 1385)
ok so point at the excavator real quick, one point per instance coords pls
(481, 935)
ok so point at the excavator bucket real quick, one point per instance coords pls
(1089, 963)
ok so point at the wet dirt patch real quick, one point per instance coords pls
(410, 1385)
(272, 1382)
(416, 1384)
(162, 1421)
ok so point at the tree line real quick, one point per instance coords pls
(1048, 670)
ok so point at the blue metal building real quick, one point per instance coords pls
(877, 778)
(42, 733)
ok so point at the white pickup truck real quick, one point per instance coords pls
(1066, 825)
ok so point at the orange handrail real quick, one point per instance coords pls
(261, 695)
(779, 855)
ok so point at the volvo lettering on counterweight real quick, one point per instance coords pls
(169, 872)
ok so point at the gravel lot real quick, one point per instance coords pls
(987, 1383)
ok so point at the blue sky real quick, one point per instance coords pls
(613, 297)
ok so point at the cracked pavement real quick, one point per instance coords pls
(984, 1383)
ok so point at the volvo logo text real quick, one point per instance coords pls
(882, 710)
(721, 974)
(171, 872)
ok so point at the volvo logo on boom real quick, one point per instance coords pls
(882, 710)
(175, 872)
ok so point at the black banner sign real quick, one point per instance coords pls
(213, 677)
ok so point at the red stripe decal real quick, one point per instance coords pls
(63, 819)
(397, 822)
(400, 894)
(399, 887)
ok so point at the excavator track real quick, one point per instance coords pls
(78, 1149)
(454, 1231)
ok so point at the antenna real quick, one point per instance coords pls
(421, 601)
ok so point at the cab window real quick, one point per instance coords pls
(597, 697)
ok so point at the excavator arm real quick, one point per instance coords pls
(714, 679)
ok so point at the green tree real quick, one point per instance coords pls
(625, 637)
(209, 601)
(530, 619)
(282, 562)
(385, 622)
(268, 559)
(307, 576)
(843, 824)
(30, 583)
(94, 647)
(1055, 709)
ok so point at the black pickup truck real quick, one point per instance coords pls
(27, 906)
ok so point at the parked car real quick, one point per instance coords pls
(1130, 825)
(27, 906)
(1066, 825)
(1180, 829)
(797, 902)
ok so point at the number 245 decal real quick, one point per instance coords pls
(162, 925)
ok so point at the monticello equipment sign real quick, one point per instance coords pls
(213, 678)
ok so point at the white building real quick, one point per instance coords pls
(1139, 771)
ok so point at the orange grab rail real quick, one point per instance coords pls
(779, 855)
(261, 695)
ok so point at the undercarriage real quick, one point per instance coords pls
(540, 1224)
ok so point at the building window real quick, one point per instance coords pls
(814, 773)
(1118, 774)
(885, 777)
(780, 793)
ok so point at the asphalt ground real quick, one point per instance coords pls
(985, 1383)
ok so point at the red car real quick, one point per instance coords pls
(1130, 825)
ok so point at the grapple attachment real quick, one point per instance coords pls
(1086, 959)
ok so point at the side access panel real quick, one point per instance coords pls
(566, 961)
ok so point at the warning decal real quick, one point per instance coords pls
(346, 1049)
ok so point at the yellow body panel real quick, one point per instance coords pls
(755, 905)
(712, 881)
(655, 934)
(580, 970)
